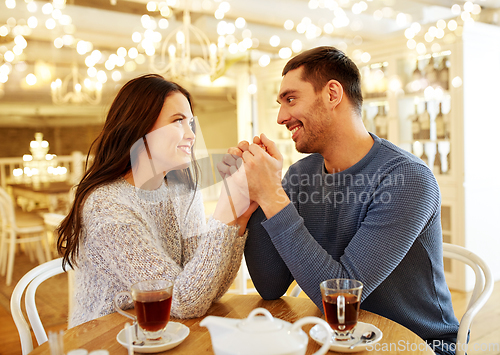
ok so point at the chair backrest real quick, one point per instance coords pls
(4, 193)
(8, 212)
(4, 220)
(29, 282)
(296, 291)
(483, 288)
(53, 220)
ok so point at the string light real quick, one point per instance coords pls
(177, 59)
(148, 44)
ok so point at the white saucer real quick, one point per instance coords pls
(318, 334)
(177, 332)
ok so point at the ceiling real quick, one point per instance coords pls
(109, 24)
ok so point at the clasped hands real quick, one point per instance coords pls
(252, 177)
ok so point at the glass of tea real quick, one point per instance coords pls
(152, 302)
(341, 299)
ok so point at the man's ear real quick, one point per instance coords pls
(334, 92)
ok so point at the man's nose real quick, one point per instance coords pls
(283, 116)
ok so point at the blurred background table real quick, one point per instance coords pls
(101, 333)
(55, 196)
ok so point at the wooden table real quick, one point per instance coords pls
(101, 333)
(54, 196)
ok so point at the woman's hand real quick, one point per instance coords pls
(234, 205)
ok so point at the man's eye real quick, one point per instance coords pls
(290, 99)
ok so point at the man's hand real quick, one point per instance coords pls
(232, 160)
(263, 165)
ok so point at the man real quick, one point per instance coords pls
(358, 207)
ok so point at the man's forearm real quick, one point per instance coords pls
(274, 202)
(269, 273)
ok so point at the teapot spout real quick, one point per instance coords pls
(219, 326)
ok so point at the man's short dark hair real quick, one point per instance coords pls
(322, 64)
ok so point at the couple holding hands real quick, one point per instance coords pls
(357, 207)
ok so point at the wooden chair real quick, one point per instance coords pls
(19, 227)
(52, 221)
(483, 288)
(30, 282)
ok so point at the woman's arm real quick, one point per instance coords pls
(234, 265)
(121, 240)
(189, 248)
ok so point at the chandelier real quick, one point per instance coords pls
(178, 59)
(74, 89)
(39, 167)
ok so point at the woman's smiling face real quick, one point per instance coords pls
(170, 140)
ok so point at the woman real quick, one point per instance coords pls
(137, 214)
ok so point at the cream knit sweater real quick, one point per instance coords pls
(131, 235)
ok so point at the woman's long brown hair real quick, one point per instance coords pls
(131, 116)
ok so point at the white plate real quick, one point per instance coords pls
(318, 334)
(177, 332)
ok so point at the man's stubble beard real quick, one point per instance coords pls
(313, 140)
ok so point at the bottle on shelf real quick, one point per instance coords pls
(380, 121)
(415, 124)
(446, 119)
(424, 157)
(366, 121)
(425, 124)
(367, 82)
(437, 168)
(381, 84)
(417, 74)
(448, 162)
(440, 124)
(443, 73)
(430, 72)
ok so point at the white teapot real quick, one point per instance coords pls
(263, 335)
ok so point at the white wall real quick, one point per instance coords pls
(481, 80)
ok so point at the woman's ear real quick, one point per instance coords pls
(334, 93)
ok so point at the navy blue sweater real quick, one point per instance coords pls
(377, 222)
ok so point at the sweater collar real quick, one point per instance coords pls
(377, 142)
(152, 196)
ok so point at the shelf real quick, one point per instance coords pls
(421, 95)
(423, 141)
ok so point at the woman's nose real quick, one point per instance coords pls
(188, 131)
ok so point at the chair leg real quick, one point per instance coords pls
(10, 260)
(46, 246)
(29, 249)
(39, 252)
(3, 254)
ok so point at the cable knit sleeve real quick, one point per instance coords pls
(234, 265)
(195, 228)
(127, 240)
(198, 285)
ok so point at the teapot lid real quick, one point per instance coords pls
(259, 324)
